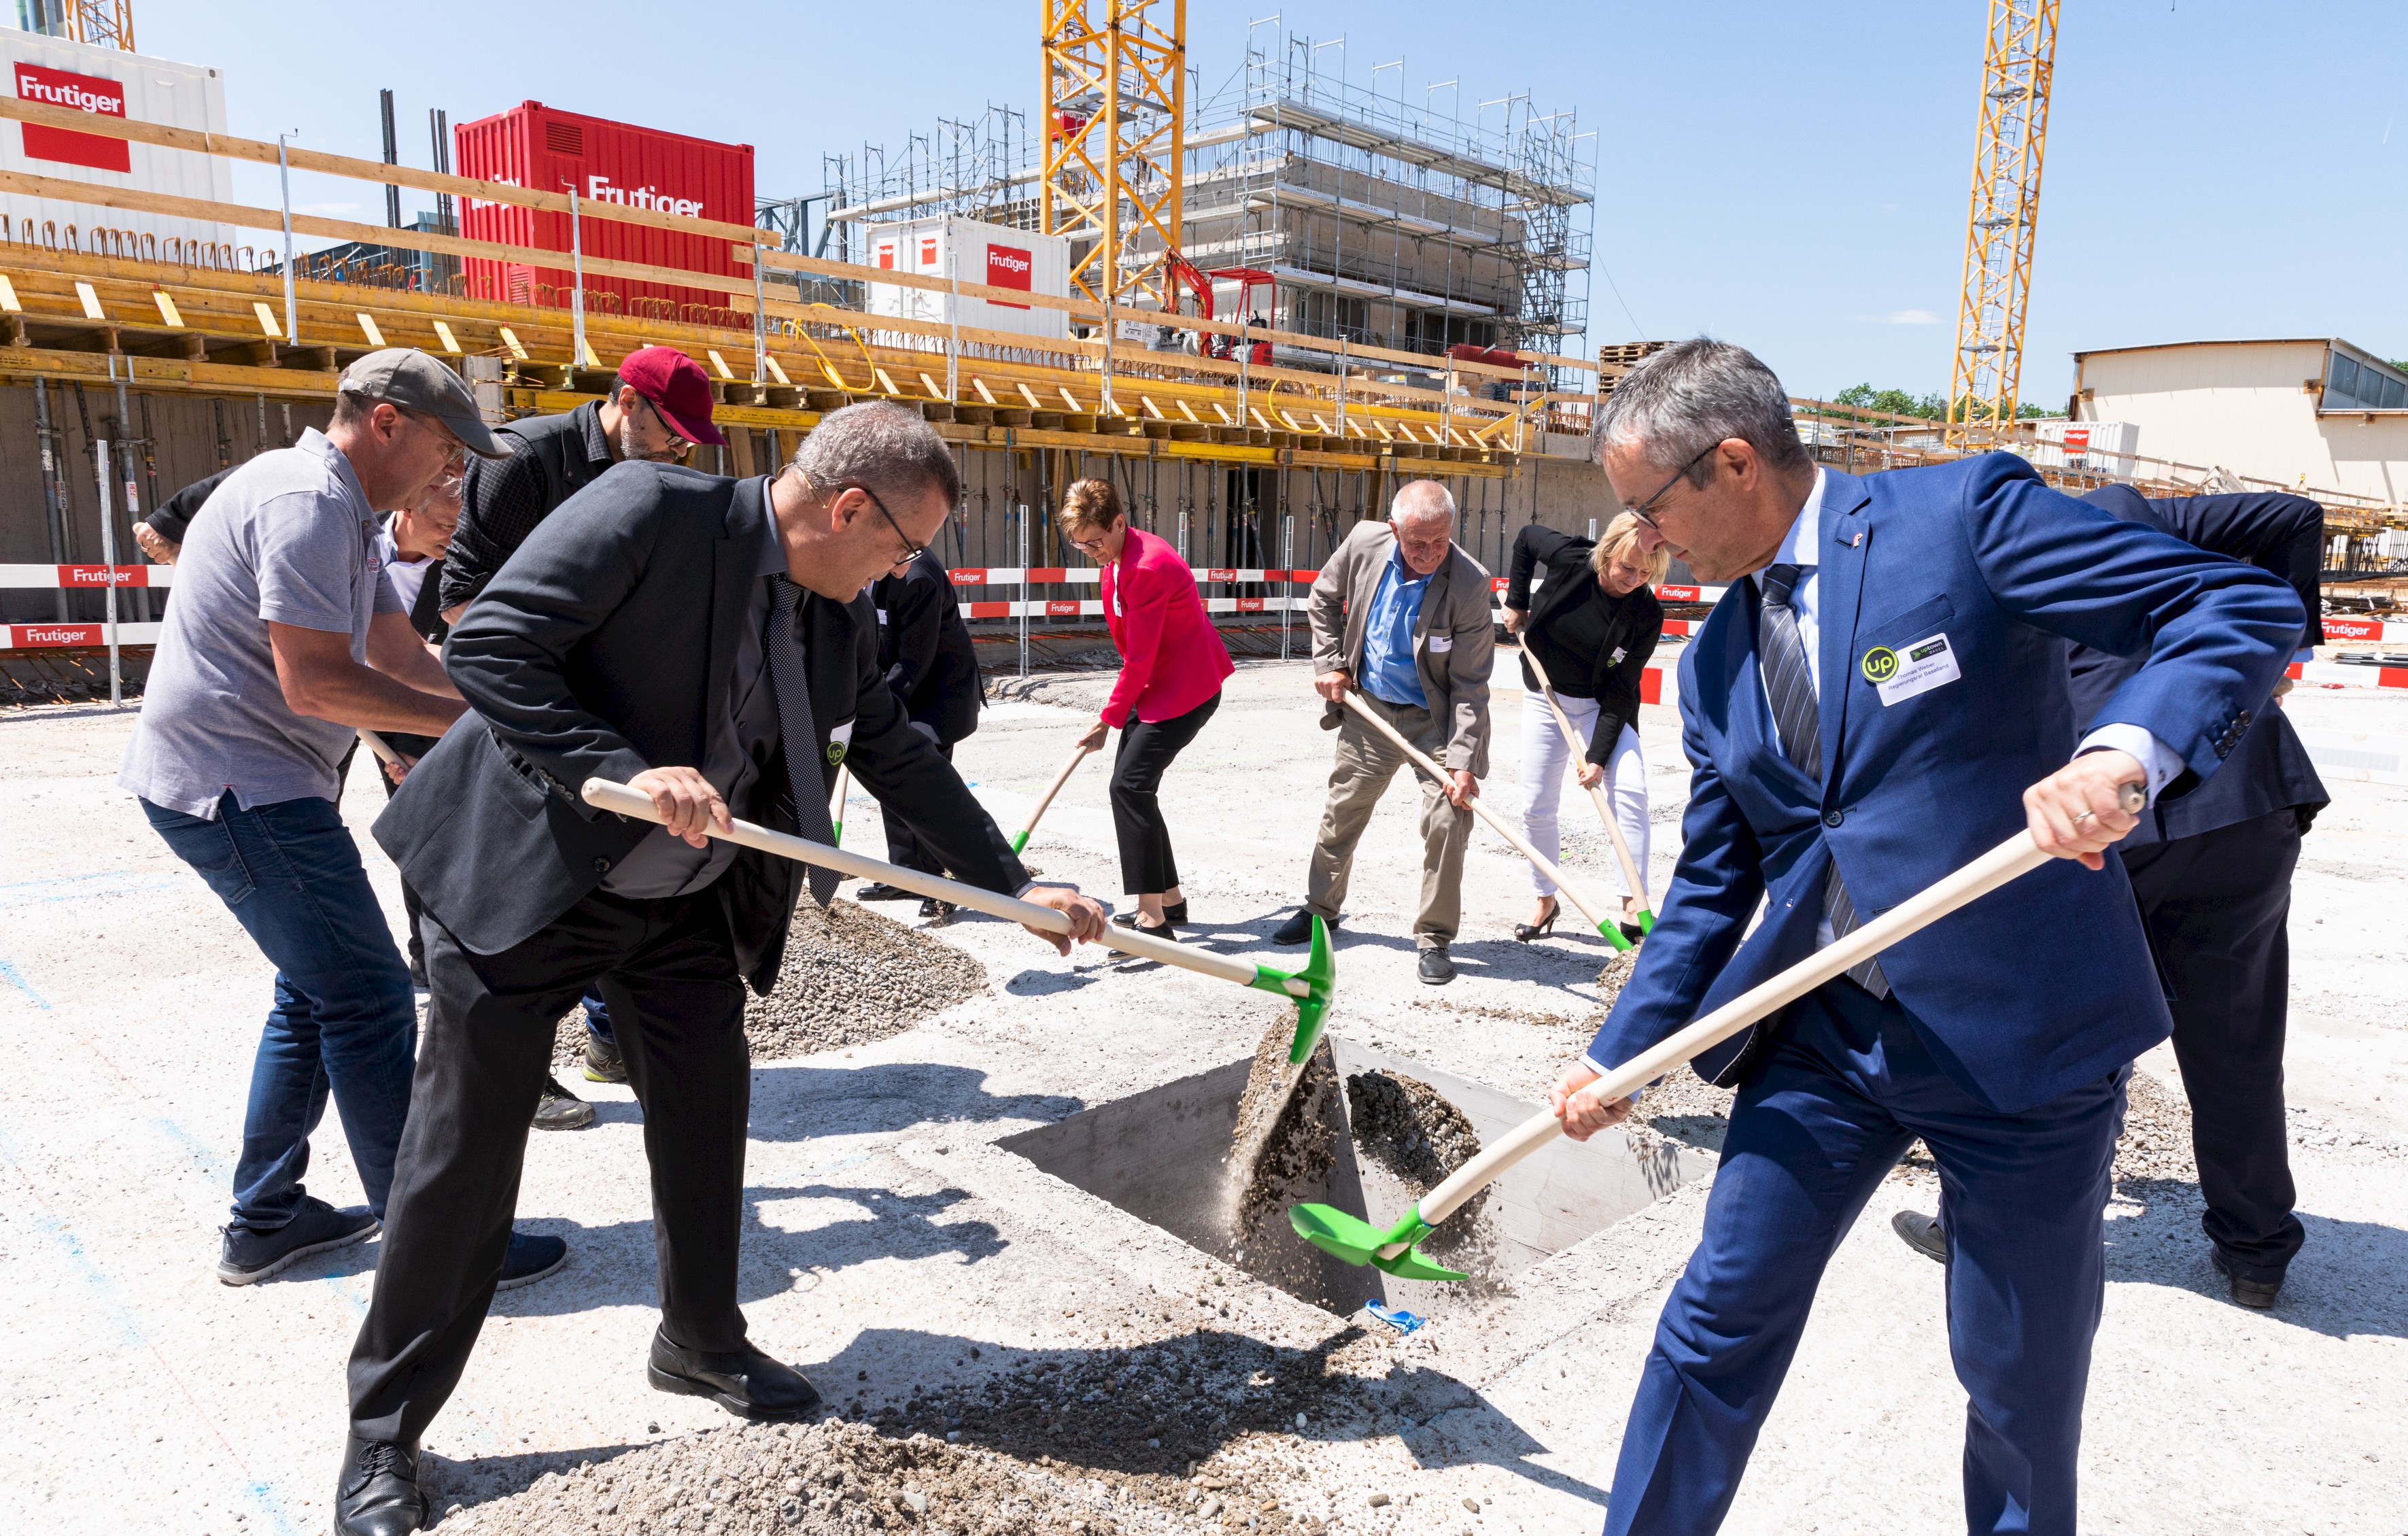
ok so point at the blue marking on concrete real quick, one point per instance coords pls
(8, 973)
(77, 888)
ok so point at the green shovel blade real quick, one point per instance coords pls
(1646, 922)
(1320, 974)
(1610, 931)
(1354, 1241)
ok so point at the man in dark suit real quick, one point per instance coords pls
(924, 651)
(706, 640)
(2213, 873)
(1883, 700)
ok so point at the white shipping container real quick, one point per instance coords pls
(969, 252)
(110, 82)
(2094, 448)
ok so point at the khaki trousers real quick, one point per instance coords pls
(1366, 763)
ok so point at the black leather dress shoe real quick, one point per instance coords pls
(1921, 1233)
(2258, 1295)
(1297, 929)
(744, 1382)
(1435, 966)
(881, 891)
(378, 1493)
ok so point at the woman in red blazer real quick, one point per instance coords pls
(1172, 661)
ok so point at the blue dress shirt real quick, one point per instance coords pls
(1388, 669)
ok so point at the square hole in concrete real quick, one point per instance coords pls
(1163, 1155)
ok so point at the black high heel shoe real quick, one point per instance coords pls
(1176, 915)
(1525, 932)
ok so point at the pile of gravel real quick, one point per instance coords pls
(850, 977)
(1204, 1430)
(1283, 1146)
(1616, 975)
(1410, 1128)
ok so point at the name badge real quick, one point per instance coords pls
(1441, 642)
(838, 739)
(1915, 668)
(1619, 652)
(881, 615)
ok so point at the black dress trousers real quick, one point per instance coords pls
(903, 845)
(2218, 905)
(1146, 753)
(668, 969)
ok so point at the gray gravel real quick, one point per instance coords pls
(851, 976)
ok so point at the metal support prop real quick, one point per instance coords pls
(760, 321)
(53, 494)
(284, 181)
(1026, 587)
(126, 447)
(953, 325)
(108, 556)
(1287, 583)
(577, 271)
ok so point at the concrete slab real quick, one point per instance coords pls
(888, 1236)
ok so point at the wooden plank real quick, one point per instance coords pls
(226, 146)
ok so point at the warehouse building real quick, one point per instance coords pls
(2315, 411)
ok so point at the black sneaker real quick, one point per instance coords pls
(603, 1062)
(1297, 929)
(315, 1228)
(530, 1258)
(882, 892)
(560, 1109)
(931, 907)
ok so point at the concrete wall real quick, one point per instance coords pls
(185, 447)
(2246, 407)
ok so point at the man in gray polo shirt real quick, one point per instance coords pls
(284, 638)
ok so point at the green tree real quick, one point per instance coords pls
(1928, 406)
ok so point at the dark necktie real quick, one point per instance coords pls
(1789, 684)
(798, 731)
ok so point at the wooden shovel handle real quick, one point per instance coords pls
(2017, 856)
(1480, 808)
(1630, 874)
(1052, 789)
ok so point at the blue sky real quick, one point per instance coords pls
(1790, 177)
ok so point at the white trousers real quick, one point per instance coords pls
(1545, 754)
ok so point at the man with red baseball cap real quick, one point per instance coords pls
(657, 409)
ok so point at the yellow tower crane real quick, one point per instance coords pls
(2017, 61)
(103, 23)
(1116, 137)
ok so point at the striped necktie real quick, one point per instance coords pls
(799, 732)
(1789, 686)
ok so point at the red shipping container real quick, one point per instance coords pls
(546, 149)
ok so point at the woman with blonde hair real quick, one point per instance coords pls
(1172, 663)
(1594, 627)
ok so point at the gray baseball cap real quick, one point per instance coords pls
(408, 378)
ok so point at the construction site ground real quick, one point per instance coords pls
(1070, 1367)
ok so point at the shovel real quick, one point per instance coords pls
(1357, 1242)
(1596, 793)
(836, 805)
(1612, 931)
(1020, 838)
(380, 746)
(1311, 988)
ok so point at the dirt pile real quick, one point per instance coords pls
(1408, 1128)
(1284, 1143)
(1616, 975)
(851, 976)
(1200, 1430)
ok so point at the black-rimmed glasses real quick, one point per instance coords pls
(1679, 474)
(911, 551)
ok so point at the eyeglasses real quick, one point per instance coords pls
(455, 461)
(679, 445)
(1640, 511)
(911, 551)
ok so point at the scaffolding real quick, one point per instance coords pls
(1381, 222)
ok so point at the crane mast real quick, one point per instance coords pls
(2017, 61)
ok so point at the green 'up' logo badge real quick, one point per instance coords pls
(1881, 664)
(835, 753)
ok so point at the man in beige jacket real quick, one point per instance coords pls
(1400, 614)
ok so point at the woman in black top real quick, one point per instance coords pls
(1593, 623)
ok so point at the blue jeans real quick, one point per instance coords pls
(598, 1015)
(345, 1018)
(1847, 1089)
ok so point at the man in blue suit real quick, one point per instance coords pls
(1882, 701)
(2213, 873)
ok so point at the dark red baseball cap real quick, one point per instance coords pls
(678, 389)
